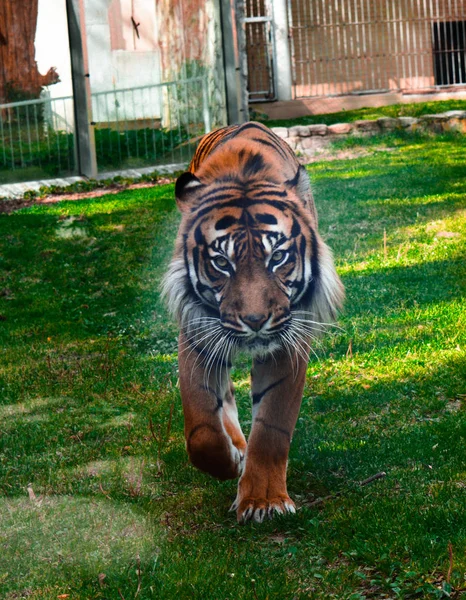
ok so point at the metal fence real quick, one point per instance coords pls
(365, 46)
(138, 126)
(150, 124)
(36, 139)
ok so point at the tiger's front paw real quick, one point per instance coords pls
(261, 495)
(258, 509)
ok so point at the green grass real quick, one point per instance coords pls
(97, 499)
(369, 113)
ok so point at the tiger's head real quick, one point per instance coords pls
(250, 264)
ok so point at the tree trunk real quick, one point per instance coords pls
(19, 76)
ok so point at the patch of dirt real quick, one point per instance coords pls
(9, 206)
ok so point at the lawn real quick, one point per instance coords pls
(97, 499)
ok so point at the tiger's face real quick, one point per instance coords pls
(250, 263)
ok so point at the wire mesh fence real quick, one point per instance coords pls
(364, 46)
(141, 126)
(36, 139)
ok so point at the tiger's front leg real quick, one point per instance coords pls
(277, 388)
(214, 439)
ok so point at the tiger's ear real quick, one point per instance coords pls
(186, 186)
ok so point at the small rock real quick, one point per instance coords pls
(300, 131)
(457, 114)
(388, 123)
(340, 128)
(282, 132)
(292, 141)
(407, 121)
(367, 125)
(318, 129)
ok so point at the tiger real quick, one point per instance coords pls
(250, 273)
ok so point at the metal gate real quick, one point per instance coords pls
(260, 48)
(365, 46)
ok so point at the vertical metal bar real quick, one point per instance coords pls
(126, 127)
(387, 47)
(343, 44)
(407, 26)
(416, 45)
(144, 129)
(180, 133)
(2, 135)
(309, 42)
(164, 94)
(28, 128)
(98, 119)
(463, 47)
(334, 48)
(173, 89)
(327, 53)
(205, 106)
(369, 47)
(117, 117)
(11, 139)
(135, 125)
(440, 46)
(57, 143)
(402, 43)
(109, 129)
(67, 136)
(453, 78)
(463, 27)
(319, 51)
(364, 65)
(425, 37)
(349, 41)
(19, 137)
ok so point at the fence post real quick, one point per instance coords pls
(283, 77)
(84, 133)
(230, 61)
(243, 60)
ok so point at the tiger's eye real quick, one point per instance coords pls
(221, 262)
(278, 256)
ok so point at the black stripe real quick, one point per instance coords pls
(225, 222)
(195, 429)
(220, 190)
(266, 219)
(206, 354)
(253, 165)
(267, 193)
(294, 182)
(274, 145)
(315, 272)
(296, 229)
(256, 398)
(269, 426)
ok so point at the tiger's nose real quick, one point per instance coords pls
(255, 322)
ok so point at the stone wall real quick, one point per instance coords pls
(309, 140)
